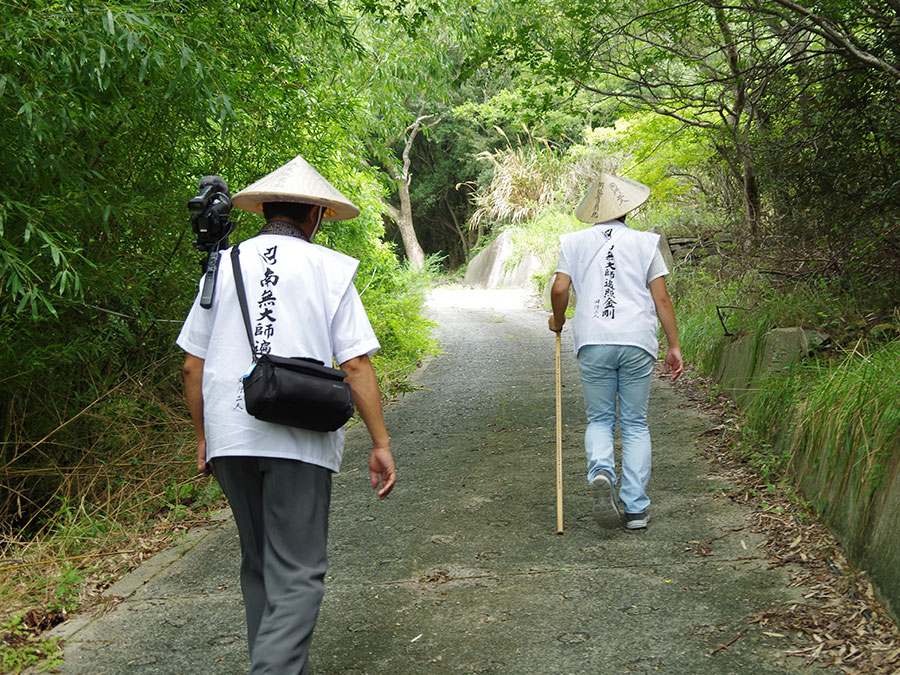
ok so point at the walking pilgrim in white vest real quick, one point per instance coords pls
(618, 277)
(277, 477)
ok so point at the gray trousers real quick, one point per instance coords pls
(280, 507)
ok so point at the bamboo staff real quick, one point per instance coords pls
(559, 490)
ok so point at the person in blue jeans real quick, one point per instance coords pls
(619, 279)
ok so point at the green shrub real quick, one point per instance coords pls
(20, 649)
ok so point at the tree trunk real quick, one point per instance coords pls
(457, 228)
(741, 108)
(752, 204)
(743, 170)
(402, 177)
(414, 252)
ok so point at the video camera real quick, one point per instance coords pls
(212, 225)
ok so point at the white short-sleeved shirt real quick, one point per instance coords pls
(302, 302)
(612, 288)
(658, 267)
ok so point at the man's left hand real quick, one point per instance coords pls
(556, 328)
(674, 363)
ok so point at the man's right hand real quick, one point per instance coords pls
(381, 468)
(674, 362)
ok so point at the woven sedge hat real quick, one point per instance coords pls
(296, 181)
(611, 197)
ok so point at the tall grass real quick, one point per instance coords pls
(851, 408)
(88, 500)
(831, 427)
(831, 419)
(696, 293)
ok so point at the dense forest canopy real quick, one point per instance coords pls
(776, 121)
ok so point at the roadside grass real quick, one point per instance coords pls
(696, 294)
(843, 397)
(90, 515)
(855, 407)
(404, 333)
(21, 649)
(840, 412)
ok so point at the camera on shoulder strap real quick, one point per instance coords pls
(211, 222)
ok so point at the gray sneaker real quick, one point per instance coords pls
(637, 521)
(606, 504)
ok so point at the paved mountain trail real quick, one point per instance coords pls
(461, 569)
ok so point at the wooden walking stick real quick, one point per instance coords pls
(559, 490)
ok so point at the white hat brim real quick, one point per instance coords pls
(299, 182)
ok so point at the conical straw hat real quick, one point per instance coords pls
(296, 181)
(611, 197)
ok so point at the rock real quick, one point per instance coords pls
(664, 247)
(493, 267)
(714, 261)
(735, 369)
(738, 367)
(781, 347)
(817, 340)
(724, 238)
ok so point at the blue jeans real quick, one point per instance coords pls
(609, 372)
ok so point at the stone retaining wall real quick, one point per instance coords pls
(708, 249)
(864, 514)
(839, 481)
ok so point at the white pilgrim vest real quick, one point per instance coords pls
(614, 305)
(302, 302)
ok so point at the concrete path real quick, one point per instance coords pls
(461, 569)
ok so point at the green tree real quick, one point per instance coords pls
(412, 64)
(112, 112)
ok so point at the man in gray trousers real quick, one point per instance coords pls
(277, 478)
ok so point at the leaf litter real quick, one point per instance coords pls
(840, 623)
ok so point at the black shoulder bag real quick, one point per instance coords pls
(296, 391)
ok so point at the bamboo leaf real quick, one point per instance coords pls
(109, 22)
(47, 305)
(26, 109)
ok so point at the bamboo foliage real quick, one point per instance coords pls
(110, 113)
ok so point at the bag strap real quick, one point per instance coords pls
(242, 296)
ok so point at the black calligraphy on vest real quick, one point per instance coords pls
(605, 307)
(264, 329)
